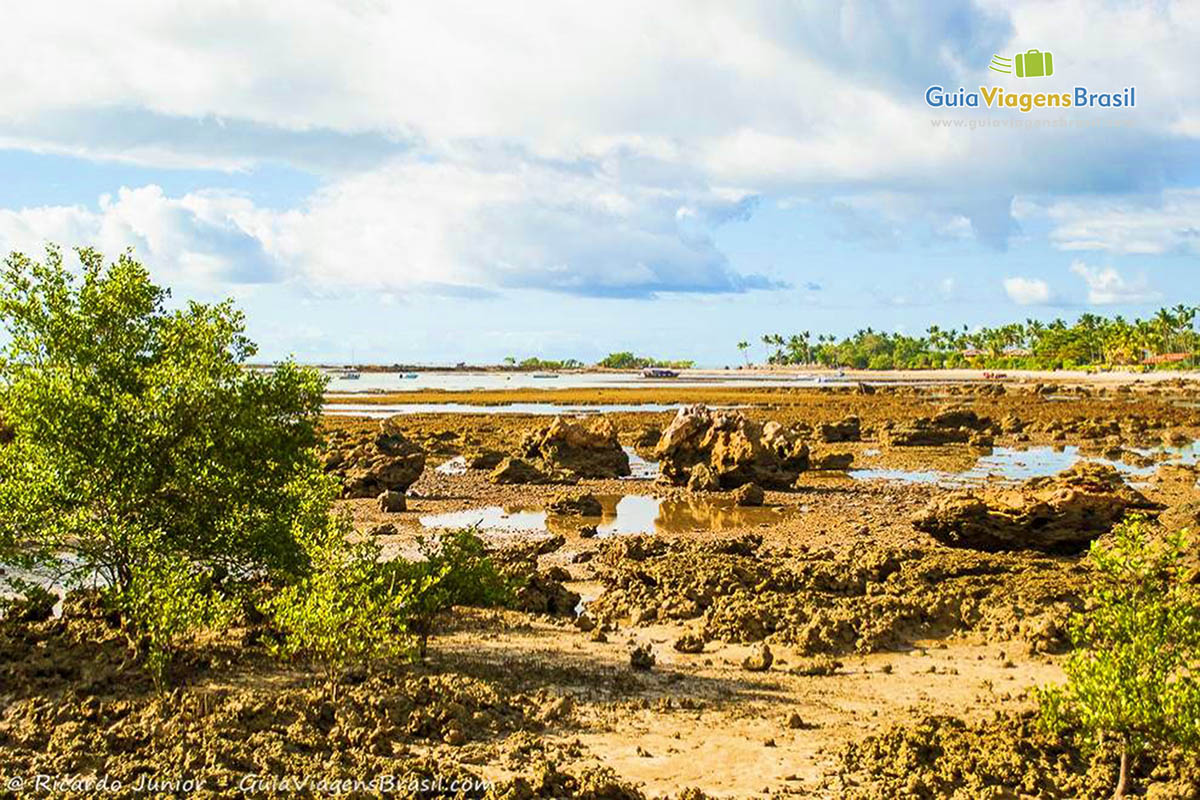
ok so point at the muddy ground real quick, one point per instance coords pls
(898, 667)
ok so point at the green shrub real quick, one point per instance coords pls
(1135, 677)
(455, 571)
(166, 600)
(132, 426)
(346, 610)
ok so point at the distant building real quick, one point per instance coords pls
(1167, 358)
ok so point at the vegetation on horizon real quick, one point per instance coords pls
(622, 360)
(1091, 341)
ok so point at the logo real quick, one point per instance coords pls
(1030, 64)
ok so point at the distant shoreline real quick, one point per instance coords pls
(785, 373)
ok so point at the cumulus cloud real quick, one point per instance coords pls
(464, 147)
(1028, 291)
(445, 226)
(200, 239)
(1106, 286)
(1164, 222)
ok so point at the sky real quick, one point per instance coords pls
(464, 181)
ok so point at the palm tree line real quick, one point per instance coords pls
(1169, 337)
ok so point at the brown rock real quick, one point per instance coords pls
(641, 658)
(689, 643)
(516, 470)
(391, 502)
(847, 429)
(579, 505)
(584, 449)
(646, 440)
(484, 459)
(704, 449)
(748, 494)
(831, 461)
(1059, 514)
(760, 658)
(388, 462)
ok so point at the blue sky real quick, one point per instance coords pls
(466, 181)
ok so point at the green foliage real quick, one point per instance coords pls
(534, 363)
(346, 609)
(1135, 676)
(133, 426)
(455, 571)
(627, 360)
(1091, 341)
(167, 600)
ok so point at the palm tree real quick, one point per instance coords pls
(744, 346)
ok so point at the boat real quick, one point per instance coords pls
(349, 376)
(544, 375)
(410, 375)
(659, 372)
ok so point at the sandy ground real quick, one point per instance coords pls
(504, 693)
(701, 720)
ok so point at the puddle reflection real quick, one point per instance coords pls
(622, 514)
(1007, 464)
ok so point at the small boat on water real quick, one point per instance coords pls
(544, 375)
(408, 376)
(349, 376)
(659, 372)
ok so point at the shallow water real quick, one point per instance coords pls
(639, 468)
(1008, 464)
(455, 466)
(623, 514)
(538, 409)
(467, 381)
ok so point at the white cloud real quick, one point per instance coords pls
(1162, 223)
(470, 145)
(1106, 286)
(201, 239)
(1027, 291)
(416, 223)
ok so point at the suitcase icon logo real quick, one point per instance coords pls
(1030, 64)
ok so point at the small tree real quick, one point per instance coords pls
(455, 571)
(165, 601)
(132, 428)
(347, 608)
(1135, 676)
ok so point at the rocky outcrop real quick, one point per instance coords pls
(392, 502)
(953, 426)
(579, 505)
(483, 459)
(584, 449)
(705, 449)
(371, 465)
(646, 440)
(759, 659)
(749, 495)
(847, 429)
(830, 460)
(1057, 514)
(543, 592)
(517, 470)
